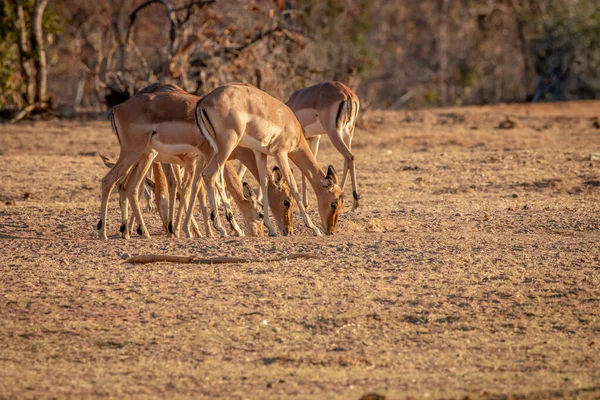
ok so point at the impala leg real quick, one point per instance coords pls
(228, 213)
(133, 188)
(184, 200)
(204, 209)
(182, 185)
(284, 165)
(124, 206)
(161, 193)
(263, 177)
(241, 171)
(192, 227)
(195, 227)
(190, 201)
(210, 177)
(125, 161)
(343, 146)
(313, 143)
(127, 223)
(172, 185)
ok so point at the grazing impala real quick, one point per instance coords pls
(328, 108)
(242, 194)
(280, 198)
(241, 114)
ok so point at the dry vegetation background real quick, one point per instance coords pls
(471, 269)
(395, 53)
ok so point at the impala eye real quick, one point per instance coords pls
(261, 215)
(334, 205)
(287, 203)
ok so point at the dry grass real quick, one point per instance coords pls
(471, 269)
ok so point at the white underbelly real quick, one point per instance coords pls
(313, 129)
(249, 142)
(173, 149)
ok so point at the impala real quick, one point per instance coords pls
(328, 108)
(243, 115)
(150, 125)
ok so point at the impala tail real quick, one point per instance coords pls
(206, 127)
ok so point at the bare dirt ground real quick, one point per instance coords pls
(471, 269)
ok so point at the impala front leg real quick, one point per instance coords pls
(228, 213)
(173, 179)
(263, 177)
(204, 209)
(125, 161)
(313, 143)
(124, 205)
(190, 200)
(132, 189)
(282, 161)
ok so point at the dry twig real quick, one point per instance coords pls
(150, 258)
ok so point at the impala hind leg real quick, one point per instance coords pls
(190, 226)
(133, 185)
(204, 209)
(125, 161)
(342, 141)
(313, 143)
(284, 165)
(210, 178)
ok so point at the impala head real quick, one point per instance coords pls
(281, 203)
(331, 201)
(254, 222)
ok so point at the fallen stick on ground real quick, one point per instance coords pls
(150, 258)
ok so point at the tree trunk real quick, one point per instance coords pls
(38, 51)
(444, 52)
(24, 54)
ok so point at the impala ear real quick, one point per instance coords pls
(107, 161)
(277, 177)
(248, 192)
(331, 174)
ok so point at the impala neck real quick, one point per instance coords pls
(307, 163)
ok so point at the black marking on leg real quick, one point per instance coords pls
(122, 228)
(355, 195)
(212, 215)
(170, 227)
(229, 216)
(99, 226)
(139, 230)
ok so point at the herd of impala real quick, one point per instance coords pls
(181, 138)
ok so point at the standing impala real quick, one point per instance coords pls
(328, 108)
(149, 125)
(243, 115)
